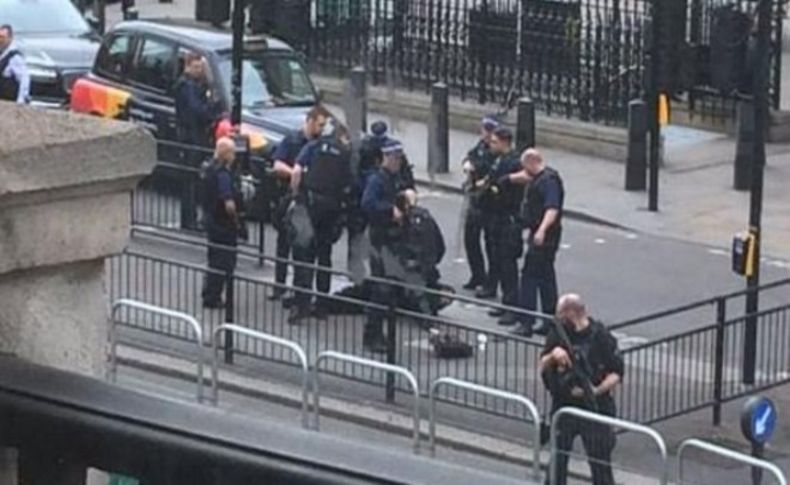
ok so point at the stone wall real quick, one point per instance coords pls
(65, 183)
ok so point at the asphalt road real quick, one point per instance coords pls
(621, 275)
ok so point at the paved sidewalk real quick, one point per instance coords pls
(696, 199)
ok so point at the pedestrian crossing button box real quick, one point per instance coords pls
(743, 247)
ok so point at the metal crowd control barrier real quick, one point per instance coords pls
(183, 317)
(293, 346)
(449, 381)
(330, 354)
(730, 454)
(609, 421)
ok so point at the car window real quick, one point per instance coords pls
(155, 65)
(113, 57)
(271, 80)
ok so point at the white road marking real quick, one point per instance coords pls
(631, 236)
(718, 252)
(565, 246)
(600, 241)
(459, 260)
(779, 264)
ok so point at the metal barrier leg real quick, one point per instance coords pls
(392, 336)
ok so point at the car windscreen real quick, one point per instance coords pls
(271, 80)
(42, 17)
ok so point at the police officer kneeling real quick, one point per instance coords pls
(223, 206)
(322, 180)
(594, 357)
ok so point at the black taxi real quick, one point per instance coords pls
(139, 62)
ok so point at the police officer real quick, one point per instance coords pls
(14, 76)
(500, 201)
(223, 205)
(378, 202)
(284, 160)
(542, 214)
(322, 178)
(196, 112)
(476, 165)
(594, 349)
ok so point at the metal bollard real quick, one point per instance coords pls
(356, 109)
(525, 124)
(742, 173)
(356, 106)
(636, 161)
(439, 131)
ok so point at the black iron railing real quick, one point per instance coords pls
(495, 358)
(672, 376)
(582, 59)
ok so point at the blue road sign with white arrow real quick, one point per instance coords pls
(758, 420)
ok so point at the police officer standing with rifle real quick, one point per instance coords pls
(322, 180)
(284, 160)
(581, 365)
(476, 166)
(499, 202)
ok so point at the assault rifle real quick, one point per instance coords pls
(581, 371)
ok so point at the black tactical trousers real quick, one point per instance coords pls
(503, 245)
(319, 250)
(221, 261)
(538, 277)
(598, 441)
(473, 231)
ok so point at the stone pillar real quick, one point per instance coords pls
(65, 182)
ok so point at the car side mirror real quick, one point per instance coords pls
(319, 96)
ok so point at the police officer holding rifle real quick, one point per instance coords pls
(581, 366)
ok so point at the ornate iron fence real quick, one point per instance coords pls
(582, 59)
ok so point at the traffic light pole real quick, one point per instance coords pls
(238, 51)
(653, 99)
(764, 12)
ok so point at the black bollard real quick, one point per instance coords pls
(439, 131)
(636, 162)
(525, 124)
(742, 173)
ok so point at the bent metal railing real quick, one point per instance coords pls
(607, 421)
(497, 393)
(352, 359)
(271, 339)
(729, 454)
(178, 316)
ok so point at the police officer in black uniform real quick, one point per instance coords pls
(476, 165)
(595, 351)
(223, 206)
(499, 202)
(322, 178)
(196, 112)
(378, 202)
(284, 160)
(542, 214)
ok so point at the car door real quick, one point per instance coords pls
(152, 77)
